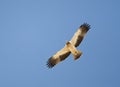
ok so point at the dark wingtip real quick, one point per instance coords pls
(85, 25)
(51, 62)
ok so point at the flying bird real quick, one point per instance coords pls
(70, 47)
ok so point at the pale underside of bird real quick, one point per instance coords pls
(70, 47)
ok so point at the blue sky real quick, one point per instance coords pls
(31, 31)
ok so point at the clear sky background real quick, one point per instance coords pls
(31, 31)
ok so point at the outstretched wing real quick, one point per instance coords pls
(58, 57)
(79, 35)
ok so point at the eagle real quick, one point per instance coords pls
(70, 47)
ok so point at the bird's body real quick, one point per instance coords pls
(76, 53)
(70, 47)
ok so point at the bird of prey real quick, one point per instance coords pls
(70, 47)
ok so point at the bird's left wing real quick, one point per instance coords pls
(58, 57)
(79, 35)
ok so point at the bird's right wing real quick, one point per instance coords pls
(58, 57)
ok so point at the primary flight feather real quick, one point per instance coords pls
(70, 47)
